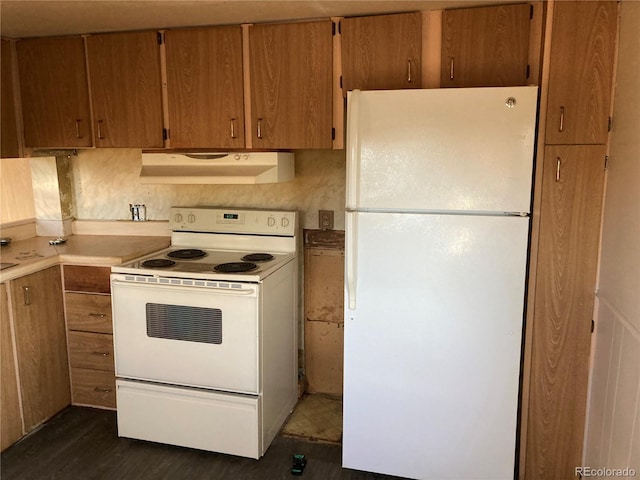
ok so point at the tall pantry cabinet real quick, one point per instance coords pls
(580, 71)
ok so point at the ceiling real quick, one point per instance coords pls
(37, 18)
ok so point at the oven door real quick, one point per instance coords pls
(203, 335)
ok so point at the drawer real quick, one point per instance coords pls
(91, 350)
(88, 312)
(94, 388)
(82, 278)
(191, 417)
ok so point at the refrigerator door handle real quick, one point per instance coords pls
(353, 149)
(351, 237)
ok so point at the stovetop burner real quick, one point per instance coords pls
(235, 267)
(187, 253)
(158, 263)
(258, 257)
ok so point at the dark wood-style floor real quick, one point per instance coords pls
(82, 443)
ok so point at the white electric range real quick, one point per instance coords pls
(205, 332)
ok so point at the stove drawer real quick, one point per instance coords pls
(194, 418)
(91, 350)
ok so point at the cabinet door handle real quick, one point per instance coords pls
(98, 315)
(259, 132)
(558, 162)
(409, 78)
(26, 292)
(78, 129)
(561, 126)
(103, 390)
(451, 69)
(100, 135)
(101, 354)
(233, 128)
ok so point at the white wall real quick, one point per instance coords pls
(613, 418)
(105, 181)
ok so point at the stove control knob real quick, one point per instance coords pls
(178, 217)
(191, 218)
(271, 221)
(284, 222)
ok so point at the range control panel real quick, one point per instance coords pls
(233, 220)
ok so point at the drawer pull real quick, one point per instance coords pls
(259, 132)
(26, 292)
(101, 354)
(233, 128)
(98, 315)
(103, 390)
(78, 129)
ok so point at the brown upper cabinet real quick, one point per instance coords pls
(382, 52)
(485, 46)
(580, 72)
(9, 133)
(54, 92)
(291, 85)
(126, 89)
(205, 87)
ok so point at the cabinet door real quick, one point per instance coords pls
(11, 422)
(126, 90)
(41, 345)
(205, 87)
(291, 90)
(54, 92)
(485, 47)
(572, 190)
(9, 133)
(382, 52)
(581, 72)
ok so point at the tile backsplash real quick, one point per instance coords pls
(105, 181)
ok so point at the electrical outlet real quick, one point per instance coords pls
(325, 219)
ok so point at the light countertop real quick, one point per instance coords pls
(34, 254)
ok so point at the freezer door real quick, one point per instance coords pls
(468, 149)
(432, 346)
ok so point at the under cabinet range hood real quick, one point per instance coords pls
(216, 167)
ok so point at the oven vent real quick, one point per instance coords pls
(189, 324)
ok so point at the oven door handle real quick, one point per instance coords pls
(216, 290)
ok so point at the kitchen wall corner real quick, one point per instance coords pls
(51, 195)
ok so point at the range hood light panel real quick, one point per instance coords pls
(217, 168)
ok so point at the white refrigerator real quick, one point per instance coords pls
(437, 226)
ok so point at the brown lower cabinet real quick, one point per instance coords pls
(37, 314)
(90, 335)
(572, 189)
(10, 421)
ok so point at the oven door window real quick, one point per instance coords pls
(180, 322)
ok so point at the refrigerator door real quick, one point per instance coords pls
(466, 149)
(432, 348)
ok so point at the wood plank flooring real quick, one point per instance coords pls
(82, 443)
